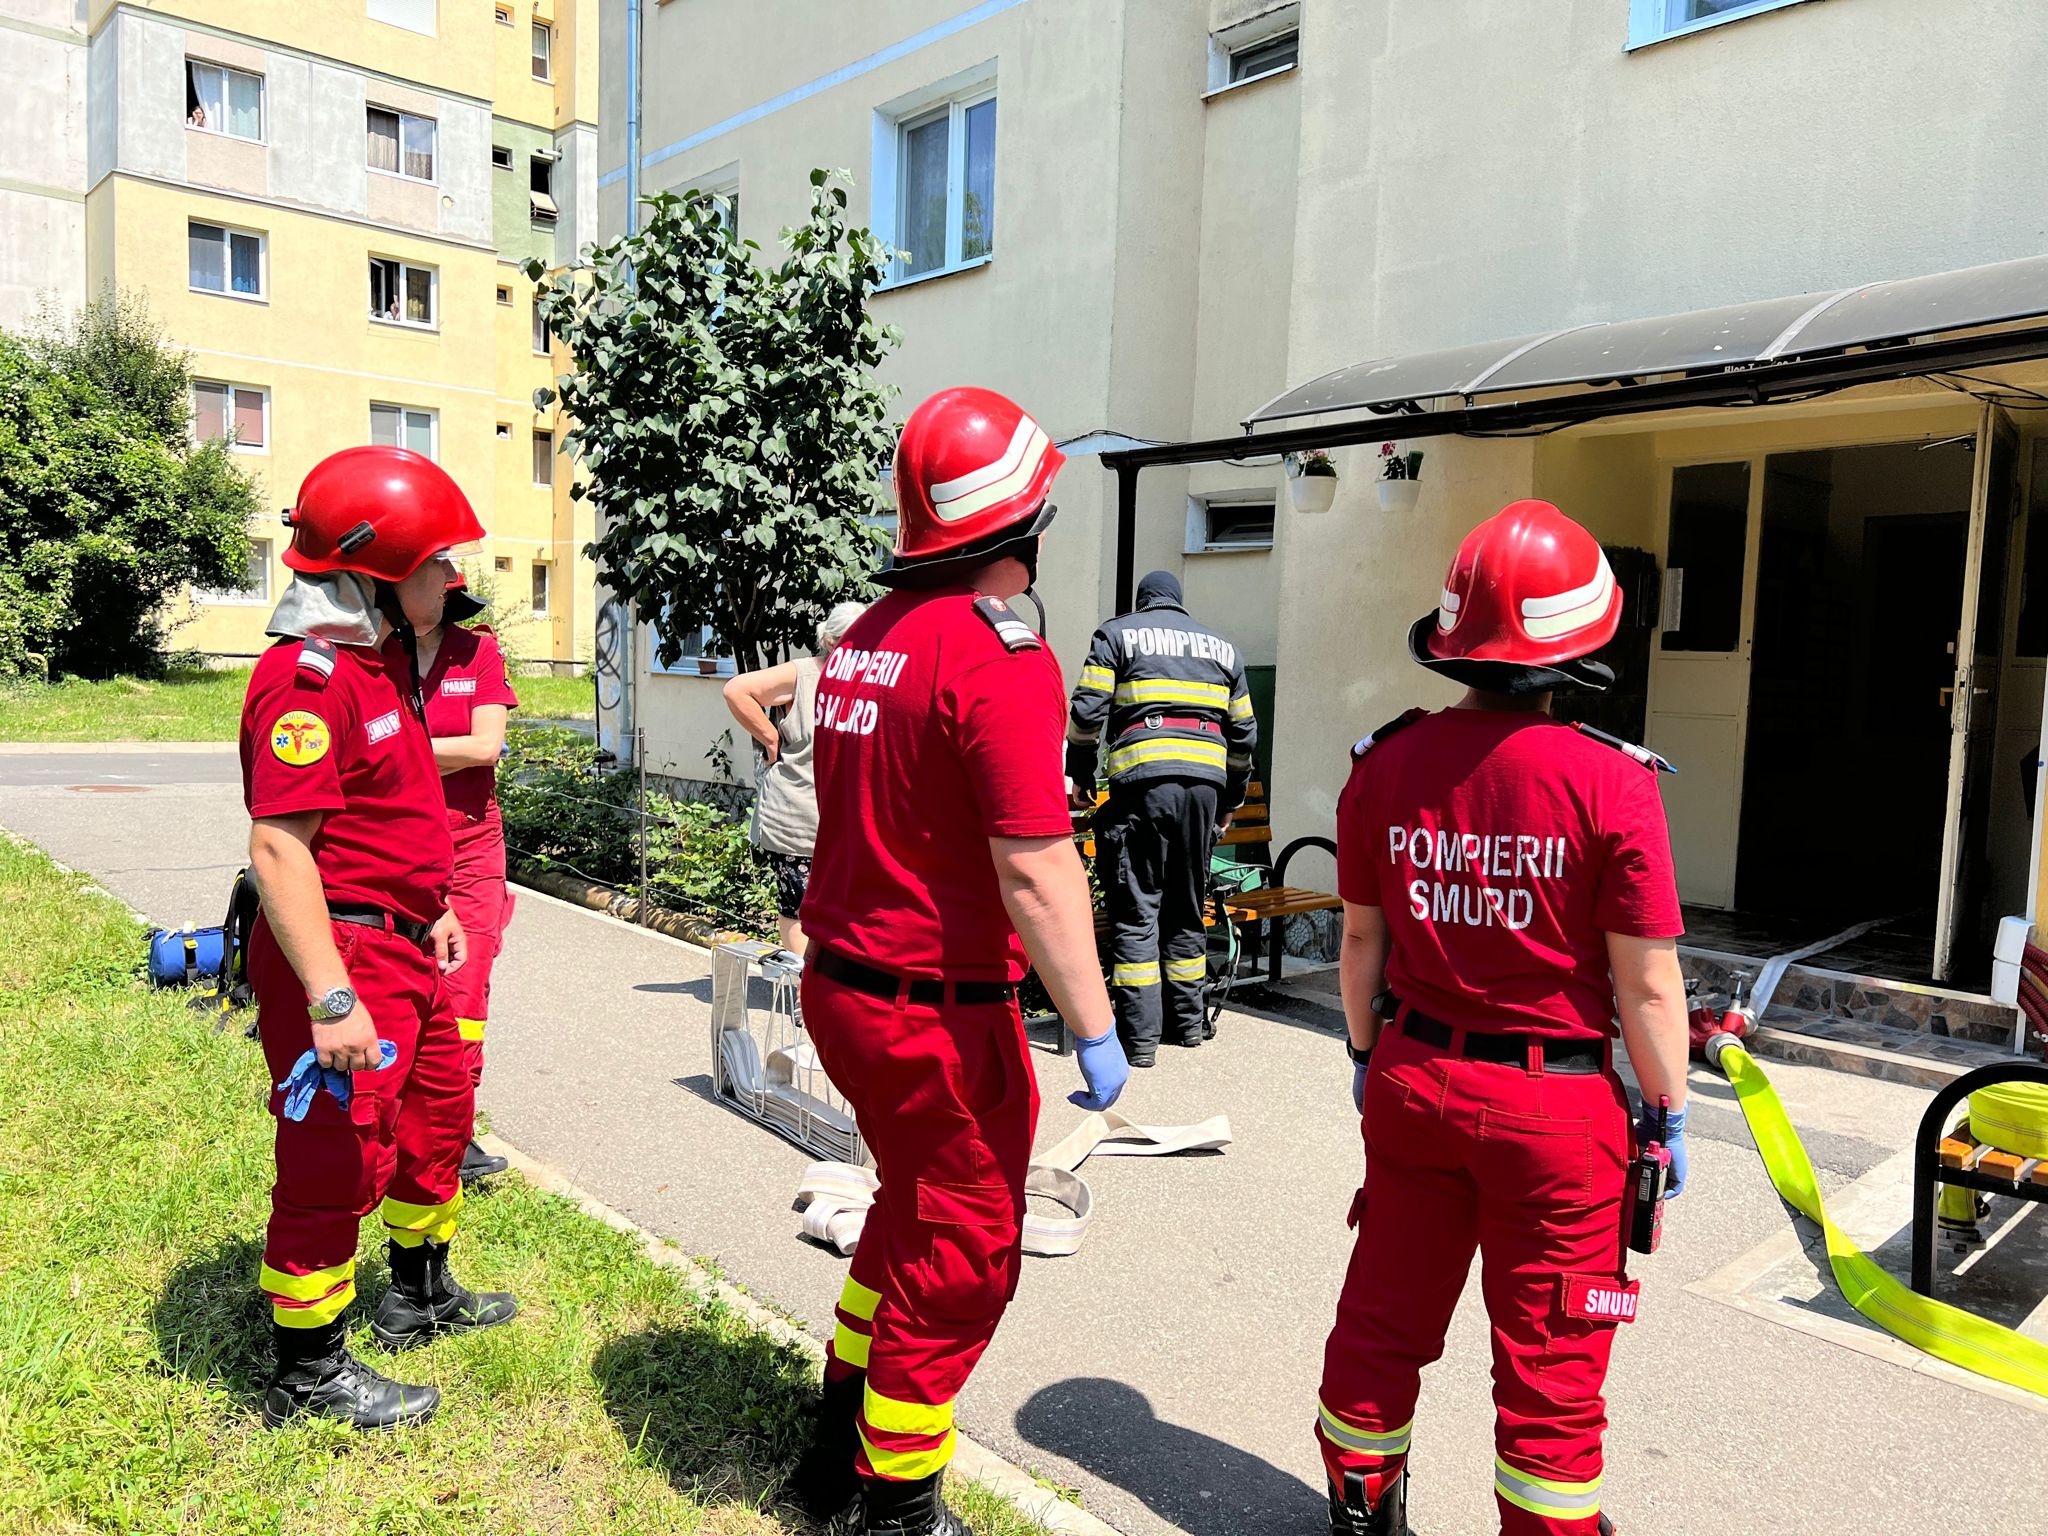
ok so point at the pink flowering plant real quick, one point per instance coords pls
(1400, 466)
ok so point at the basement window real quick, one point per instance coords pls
(501, 158)
(1652, 21)
(1230, 522)
(1257, 49)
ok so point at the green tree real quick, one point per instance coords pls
(107, 508)
(727, 418)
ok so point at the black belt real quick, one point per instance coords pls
(376, 917)
(1566, 1056)
(926, 991)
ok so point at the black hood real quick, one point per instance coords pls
(1160, 589)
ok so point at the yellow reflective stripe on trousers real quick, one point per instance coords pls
(1144, 973)
(1171, 690)
(1945, 1332)
(851, 1347)
(410, 1225)
(1195, 968)
(910, 1466)
(1366, 1442)
(1097, 679)
(1173, 749)
(310, 1287)
(470, 1029)
(1546, 1496)
(857, 1300)
(899, 1417)
(1241, 707)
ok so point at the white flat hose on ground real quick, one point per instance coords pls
(1775, 968)
(835, 1197)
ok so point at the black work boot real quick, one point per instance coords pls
(316, 1374)
(477, 1164)
(425, 1301)
(908, 1509)
(825, 1483)
(1352, 1515)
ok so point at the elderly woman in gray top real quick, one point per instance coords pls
(786, 807)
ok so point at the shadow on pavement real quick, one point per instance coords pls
(722, 1412)
(1188, 1479)
(700, 989)
(210, 1323)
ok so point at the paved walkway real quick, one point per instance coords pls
(1168, 1371)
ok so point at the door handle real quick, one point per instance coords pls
(1948, 695)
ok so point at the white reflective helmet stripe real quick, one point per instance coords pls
(1545, 618)
(1447, 611)
(980, 489)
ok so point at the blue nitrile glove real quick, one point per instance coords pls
(1103, 1068)
(1673, 1137)
(1358, 1071)
(307, 1077)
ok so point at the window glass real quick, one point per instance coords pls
(224, 261)
(245, 268)
(543, 458)
(1699, 10)
(209, 411)
(1239, 525)
(203, 246)
(256, 575)
(245, 105)
(248, 418)
(383, 140)
(1704, 565)
(978, 208)
(543, 43)
(540, 590)
(397, 426)
(501, 157)
(419, 432)
(926, 152)
(419, 295)
(223, 100)
(1265, 56)
(540, 329)
(383, 289)
(418, 136)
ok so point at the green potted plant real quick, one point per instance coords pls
(1311, 480)
(1400, 484)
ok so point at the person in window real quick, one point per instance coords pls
(198, 115)
(468, 702)
(777, 706)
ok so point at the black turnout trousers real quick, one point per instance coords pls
(1153, 840)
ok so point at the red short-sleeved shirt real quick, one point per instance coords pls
(932, 737)
(1504, 848)
(348, 746)
(468, 670)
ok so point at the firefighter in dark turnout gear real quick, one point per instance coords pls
(1180, 733)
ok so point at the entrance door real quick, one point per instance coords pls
(1972, 697)
(1699, 668)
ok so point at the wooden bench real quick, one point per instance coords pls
(1957, 1158)
(1260, 910)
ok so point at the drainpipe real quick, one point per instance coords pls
(629, 637)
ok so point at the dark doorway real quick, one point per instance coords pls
(1859, 600)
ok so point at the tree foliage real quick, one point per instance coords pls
(727, 418)
(107, 508)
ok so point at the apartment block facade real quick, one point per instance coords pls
(329, 205)
(1146, 219)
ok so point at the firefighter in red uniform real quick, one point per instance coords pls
(943, 836)
(1507, 885)
(351, 854)
(468, 701)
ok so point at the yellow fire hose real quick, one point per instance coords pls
(1945, 1332)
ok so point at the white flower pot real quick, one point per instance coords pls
(1312, 493)
(1399, 495)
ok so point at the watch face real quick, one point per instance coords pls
(338, 1004)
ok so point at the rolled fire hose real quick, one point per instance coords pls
(1945, 1332)
(835, 1197)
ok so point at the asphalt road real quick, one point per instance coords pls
(1168, 1371)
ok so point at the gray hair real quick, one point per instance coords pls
(833, 627)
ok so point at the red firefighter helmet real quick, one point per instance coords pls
(380, 511)
(972, 472)
(1529, 597)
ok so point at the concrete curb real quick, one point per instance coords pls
(971, 1460)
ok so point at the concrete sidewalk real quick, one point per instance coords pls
(1168, 1372)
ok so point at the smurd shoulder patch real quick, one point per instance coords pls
(1015, 634)
(299, 737)
(1400, 722)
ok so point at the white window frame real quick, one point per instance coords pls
(541, 206)
(534, 443)
(403, 118)
(687, 664)
(545, 347)
(1255, 32)
(262, 101)
(259, 598)
(433, 423)
(1198, 540)
(893, 122)
(1650, 21)
(505, 17)
(545, 29)
(504, 164)
(433, 320)
(228, 384)
(228, 290)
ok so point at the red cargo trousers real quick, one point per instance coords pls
(1530, 1168)
(948, 1103)
(482, 903)
(398, 1144)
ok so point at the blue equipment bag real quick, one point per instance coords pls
(188, 956)
(184, 957)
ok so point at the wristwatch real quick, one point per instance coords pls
(338, 1004)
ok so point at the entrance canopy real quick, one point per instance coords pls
(1770, 352)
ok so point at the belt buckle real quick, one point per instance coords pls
(1154, 722)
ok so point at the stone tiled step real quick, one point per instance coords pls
(1901, 1007)
(1914, 1057)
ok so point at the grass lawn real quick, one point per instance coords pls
(200, 705)
(134, 1181)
